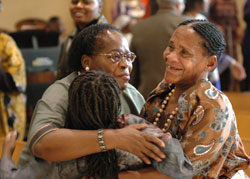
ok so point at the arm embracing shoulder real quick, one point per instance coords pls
(49, 140)
(48, 116)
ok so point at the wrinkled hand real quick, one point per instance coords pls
(238, 71)
(9, 144)
(141, 144)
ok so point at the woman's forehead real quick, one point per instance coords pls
(185, 30)
(111, 39)
(187, 37)
(183, 34)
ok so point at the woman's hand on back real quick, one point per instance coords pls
(141, 144)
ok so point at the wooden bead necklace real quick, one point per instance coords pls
(163, 106)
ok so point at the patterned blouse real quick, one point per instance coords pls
(12, 105)
(205, 125)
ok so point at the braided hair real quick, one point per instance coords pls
(214, 40)
(94, 103)
(87, 42)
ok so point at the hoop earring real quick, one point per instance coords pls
(87, 68)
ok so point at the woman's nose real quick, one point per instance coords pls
(124, 63)
(171, 56)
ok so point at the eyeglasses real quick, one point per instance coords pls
(117, 57)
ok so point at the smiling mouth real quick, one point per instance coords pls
(173, 68)
(79, 13)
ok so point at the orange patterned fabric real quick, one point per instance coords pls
(206, 128)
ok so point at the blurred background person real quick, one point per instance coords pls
(196, 9)
(56, 24)
(224, 14)
(12, 87)
(84, 13)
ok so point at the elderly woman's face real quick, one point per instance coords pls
(186, 59)
(84, 11)
(114, 57)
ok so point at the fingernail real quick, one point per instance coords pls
(163, 156)
(148, 162)
(159, 160)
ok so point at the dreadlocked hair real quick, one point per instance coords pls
(94, 103)
(87, 43)
(215, 43)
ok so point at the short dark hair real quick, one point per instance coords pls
(215, 42)
(190, 5)
(94, 103)
(85, 43)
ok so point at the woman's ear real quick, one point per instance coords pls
(85, 61)
(212, 63)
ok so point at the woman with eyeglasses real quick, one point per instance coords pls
(100, 47)
(84, 13)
